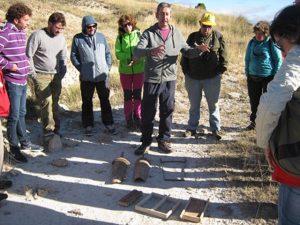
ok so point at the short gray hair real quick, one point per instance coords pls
(162, 5)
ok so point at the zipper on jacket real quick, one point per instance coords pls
(94, 54)
(131, 51)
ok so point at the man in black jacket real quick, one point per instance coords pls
(204, 74)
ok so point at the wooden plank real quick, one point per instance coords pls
(194, 210)
(161, 206)
(130, 198)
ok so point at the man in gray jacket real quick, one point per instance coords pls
(160, 45)
(47, 52)
(91, 56)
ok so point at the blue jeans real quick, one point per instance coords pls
(288, 205)
(211, 88)
(16, 127)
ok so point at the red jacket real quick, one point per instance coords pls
(4, 100)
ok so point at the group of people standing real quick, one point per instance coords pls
(148, 62)
(160, 45)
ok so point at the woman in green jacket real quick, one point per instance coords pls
(131, 71)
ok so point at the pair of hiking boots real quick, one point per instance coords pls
(189, 133)
(163, 146)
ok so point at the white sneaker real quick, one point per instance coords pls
(33, 148)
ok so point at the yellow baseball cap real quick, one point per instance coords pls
(208, 19)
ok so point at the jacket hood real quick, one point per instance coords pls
(87, 20)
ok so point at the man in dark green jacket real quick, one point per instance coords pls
(204, 74)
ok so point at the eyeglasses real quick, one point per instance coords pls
(91, 26)
(126, 25)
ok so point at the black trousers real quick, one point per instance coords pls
(165, 93)
(87, 89)
(256, 87)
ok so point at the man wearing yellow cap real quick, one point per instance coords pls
(203, 74)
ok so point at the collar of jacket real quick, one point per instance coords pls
(129, 33)
(260, 42)
(12, 26)
(90, 40)
(156, 29)
(200, 35)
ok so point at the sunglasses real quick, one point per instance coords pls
(126, 25)
(91, 26)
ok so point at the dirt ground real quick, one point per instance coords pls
(80, 191)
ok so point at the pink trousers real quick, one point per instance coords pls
(132, 88)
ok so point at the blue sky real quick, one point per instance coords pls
(253, 10)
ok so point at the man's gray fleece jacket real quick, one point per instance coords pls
(162, 69)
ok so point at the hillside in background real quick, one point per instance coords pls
(235, 29)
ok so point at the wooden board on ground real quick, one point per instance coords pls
(194, 210)
(130, 198)
(161, 206)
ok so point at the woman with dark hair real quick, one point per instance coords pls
(262, 61)
(285, 31)
(131, 70)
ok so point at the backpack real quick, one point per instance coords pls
(285, 139)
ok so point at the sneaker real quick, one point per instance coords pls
(17, 157)
(142, 149)
(164, 146)
(217, 134)
(111, 129)
(3, 196)
(251, 126)
(32, 147)
(190, 133)
(4, 184)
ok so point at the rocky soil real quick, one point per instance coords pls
(73, 186)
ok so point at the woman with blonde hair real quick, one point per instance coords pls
(131, 70)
